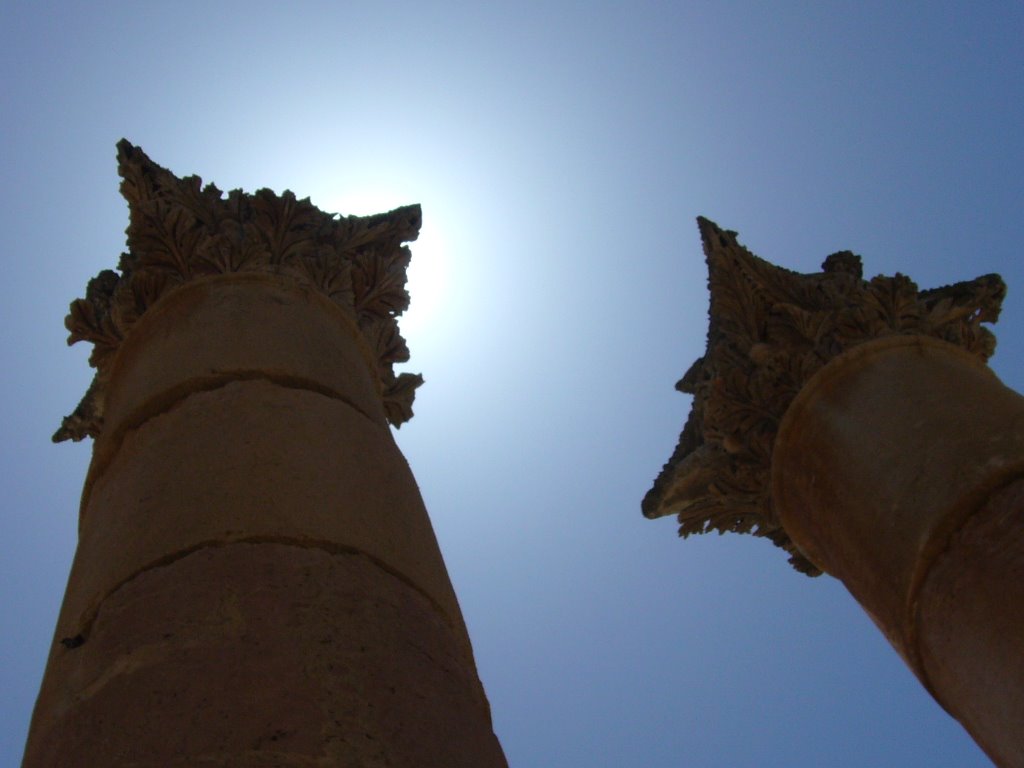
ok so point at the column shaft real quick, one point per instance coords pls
(899, 469)
(257, 581)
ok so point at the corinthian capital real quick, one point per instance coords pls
(180, 230)
(770, 330)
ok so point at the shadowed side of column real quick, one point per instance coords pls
(855, 424)
(898, 469)
(257, 582)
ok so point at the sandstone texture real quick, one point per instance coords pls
(855, 424)
(257, 582)
(898, 469)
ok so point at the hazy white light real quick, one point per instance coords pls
(427, 272)
(427, 280)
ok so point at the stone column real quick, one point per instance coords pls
(856, 425)
(257, 582)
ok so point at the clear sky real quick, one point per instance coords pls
(561, 152)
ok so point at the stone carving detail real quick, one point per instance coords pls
(180, 230)
(770, 329)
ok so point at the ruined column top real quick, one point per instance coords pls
(769, 331)
(180, 230)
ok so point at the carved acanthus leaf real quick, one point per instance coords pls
(398, 396)
(378, 282)
(770, 330)
(180, 230)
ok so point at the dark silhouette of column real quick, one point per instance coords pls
(856, 424)
(257, 581)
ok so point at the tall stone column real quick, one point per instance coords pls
(257, 582)
(856, 425)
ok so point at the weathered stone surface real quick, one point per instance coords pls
(180, 230)
(257, 582)
(266, 325)
(856, 425)
(264, 655)
(898, 469)
(253, 460)
(883, 455)
(971, 625)
(770, 330)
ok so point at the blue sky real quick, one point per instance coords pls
(561, 153)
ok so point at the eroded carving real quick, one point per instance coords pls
(180, 230)
(769, 330)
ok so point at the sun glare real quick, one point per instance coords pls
(426, 274)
